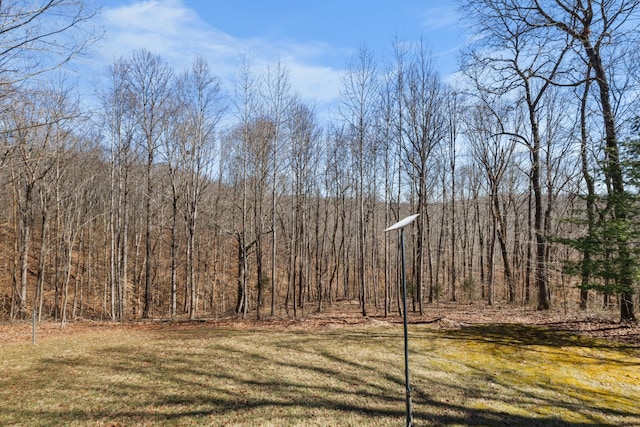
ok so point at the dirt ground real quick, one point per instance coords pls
(594, 324)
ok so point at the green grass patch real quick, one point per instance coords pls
(490, 375)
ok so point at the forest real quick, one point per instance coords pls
(172, 197)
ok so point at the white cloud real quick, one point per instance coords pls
(321, 84)
(174, 31)
(439, 17)
(164, 27)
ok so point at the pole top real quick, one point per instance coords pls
(403, 223)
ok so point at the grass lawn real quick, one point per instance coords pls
(205, 374)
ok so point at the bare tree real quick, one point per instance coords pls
(303, 164)
(150, 80)
(173, 140)
(598, 27)
(359, 100)
(188, 150)
(40, 36)
(239, 138)
(423, 129)
(118, 129)
(455, 105)
(259, 144)
(494, 153)
(39, 140)
(591, 191)
(204, 108)
(31, 162)
(339, 183)
(510, 60)
(36, 37)
(389, 135)
(79, 207)
(278, 100)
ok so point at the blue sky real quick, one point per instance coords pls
(314, 40)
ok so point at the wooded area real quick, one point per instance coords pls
(173, 197)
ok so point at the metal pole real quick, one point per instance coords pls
(33, 325)
(406, 335)
(400, 226)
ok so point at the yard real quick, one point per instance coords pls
(322, 371)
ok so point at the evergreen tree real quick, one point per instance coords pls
(613, 242)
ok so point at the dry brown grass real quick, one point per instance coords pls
(336, 369)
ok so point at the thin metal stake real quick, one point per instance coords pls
(33, 334)
(406, 335)
(400, 225)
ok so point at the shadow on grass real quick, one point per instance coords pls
(528, 335)
(251, 378)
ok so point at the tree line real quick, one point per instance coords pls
(175, 197)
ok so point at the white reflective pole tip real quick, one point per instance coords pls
(403, 223)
